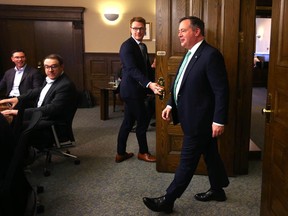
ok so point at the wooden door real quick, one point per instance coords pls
(275, 160)
(41, 31)
(14, 38)
(58, 37)
(222, 22)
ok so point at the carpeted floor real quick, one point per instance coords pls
(99, 186)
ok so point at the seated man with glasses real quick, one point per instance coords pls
(56, 99)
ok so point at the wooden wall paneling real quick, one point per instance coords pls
(45, 30)
(11, 39)
(41, 12)
(244, 84)
(98, 69)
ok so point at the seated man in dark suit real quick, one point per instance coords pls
(21, 78)
(56, 99)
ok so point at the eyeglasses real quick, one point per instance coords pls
(52, 67)
(138, 29)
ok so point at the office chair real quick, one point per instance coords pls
(59, 138)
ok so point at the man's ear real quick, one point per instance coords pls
(197, 32)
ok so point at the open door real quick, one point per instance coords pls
(222, 31)
(275, 159)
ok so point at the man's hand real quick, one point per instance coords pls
(9, 112)
(217, 130)
(166, 113)
(156, 88)
(12, 101)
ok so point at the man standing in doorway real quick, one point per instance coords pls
(199, 102)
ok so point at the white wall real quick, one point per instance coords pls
(99, 36)
(263, 32)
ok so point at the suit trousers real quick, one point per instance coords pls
(134, 111)
(192, 149)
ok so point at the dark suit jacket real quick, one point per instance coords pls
(58, 102)
(134, 76)
(31, 78)
(203, 94)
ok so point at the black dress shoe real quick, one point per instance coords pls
(211, 195)
(159, 204)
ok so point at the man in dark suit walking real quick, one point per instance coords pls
(135, 84)
(199, 102)
(21, 78)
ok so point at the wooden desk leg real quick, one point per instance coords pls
(104, 104)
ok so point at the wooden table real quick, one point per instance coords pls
(104, 100)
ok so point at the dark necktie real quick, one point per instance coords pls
(144, 51)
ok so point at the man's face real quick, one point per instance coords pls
(19, 59)
(138, 30)
(52, 68)
(187, 36)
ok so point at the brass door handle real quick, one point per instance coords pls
(266, 111)
(161, 82)
(39, 65)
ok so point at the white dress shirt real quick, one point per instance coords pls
(192, 50)
(17, 79)
(44, 91)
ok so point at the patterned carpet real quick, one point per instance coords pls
(100, 187)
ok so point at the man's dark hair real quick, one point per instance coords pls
(17, 50)
(195, 22)
(57, 57)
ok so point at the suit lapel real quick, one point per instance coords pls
(51, 89)
(25, 74)
(192, 62)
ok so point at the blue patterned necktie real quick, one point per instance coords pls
(181, 71)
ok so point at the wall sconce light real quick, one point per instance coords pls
(111, 16)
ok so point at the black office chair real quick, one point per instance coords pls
(62, 140)
(56, 137)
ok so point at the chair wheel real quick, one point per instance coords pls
(77, 162)
(47, 173)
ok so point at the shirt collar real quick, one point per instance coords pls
(21, 69)
(138, 42)
(195, 47)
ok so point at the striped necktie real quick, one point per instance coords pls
(180, 74)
